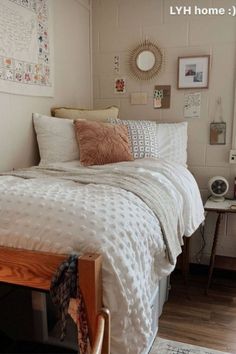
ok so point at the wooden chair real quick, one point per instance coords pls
(102, 342)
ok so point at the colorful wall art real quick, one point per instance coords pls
(26, 53)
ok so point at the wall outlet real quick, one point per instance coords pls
(232, 156)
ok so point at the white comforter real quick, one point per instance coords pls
(55, 215)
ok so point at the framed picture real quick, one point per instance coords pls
(193, 72)
(218, 133)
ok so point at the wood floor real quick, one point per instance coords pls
(192, 317)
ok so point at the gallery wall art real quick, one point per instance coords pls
(193, 72)
(26, 50)
(161, 96)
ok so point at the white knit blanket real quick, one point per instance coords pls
(114, 210)
(158, 196)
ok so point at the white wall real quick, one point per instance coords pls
(72, 85)
(118, 25)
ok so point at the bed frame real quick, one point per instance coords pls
(35, 269)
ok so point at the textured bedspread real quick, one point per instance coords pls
(47, 211)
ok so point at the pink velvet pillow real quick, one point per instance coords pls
(102, 143)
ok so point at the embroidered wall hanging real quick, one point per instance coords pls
(26, 51)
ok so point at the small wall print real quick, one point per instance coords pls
(117, 64)
(218, 133)
(161, 96)
(120, 85)
(192, 105)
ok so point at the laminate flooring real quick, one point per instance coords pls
(193, 317)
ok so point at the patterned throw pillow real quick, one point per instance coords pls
(142, 135)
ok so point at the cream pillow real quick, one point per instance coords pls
(89, 114)
(56, 139)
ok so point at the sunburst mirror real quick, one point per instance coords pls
(145, 60)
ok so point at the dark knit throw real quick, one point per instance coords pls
(64, 287)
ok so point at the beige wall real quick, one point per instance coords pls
(72, 85)
(118, 25)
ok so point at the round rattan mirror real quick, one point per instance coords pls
(145, 61)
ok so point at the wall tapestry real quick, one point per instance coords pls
(26, 52)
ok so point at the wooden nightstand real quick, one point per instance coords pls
(220, 208)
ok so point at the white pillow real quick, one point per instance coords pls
(56, 139)
(150, 139)
(172, 142)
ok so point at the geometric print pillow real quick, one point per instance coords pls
(143, 137)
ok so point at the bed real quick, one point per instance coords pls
(134, 214)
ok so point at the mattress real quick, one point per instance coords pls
(58, 215)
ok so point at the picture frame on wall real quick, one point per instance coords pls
(218, 133)
(120, 85)
(193, 72)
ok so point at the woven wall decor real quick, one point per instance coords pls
(136, 69)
